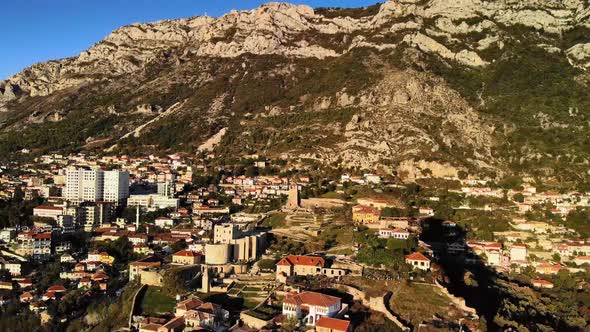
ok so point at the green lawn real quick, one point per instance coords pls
(332, 194)
(155, 301)
(275, 220)
(266, 312)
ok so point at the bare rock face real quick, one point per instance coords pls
(275, 29)
(8, 92)
(429, 45)
(410, 170)
(579, 55)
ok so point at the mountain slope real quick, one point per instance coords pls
(416, 86)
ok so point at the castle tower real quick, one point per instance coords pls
(293, 200)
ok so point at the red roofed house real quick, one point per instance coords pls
(418, 261)
(300, 265)
(57, 289)
(186, 305)
(328, 324)
(26, 297)
(186, 257)
(85, 283)
(540, 283)
(176, 324)
(25, 283)
(151, 324)
(310, 306)
(49, 296)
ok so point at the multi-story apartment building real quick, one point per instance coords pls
(93, 215)
(67, 223)
(35, 245)
(83, 184)
(90, 185)
(116, 186)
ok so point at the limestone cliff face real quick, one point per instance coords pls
(352, 87)
(275, 29)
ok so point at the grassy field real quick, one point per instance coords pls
(332, 194)
(275, 220)
(155, 301)
(418, 302)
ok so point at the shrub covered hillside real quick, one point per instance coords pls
(488, 88)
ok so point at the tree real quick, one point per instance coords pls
(178, 246)
(289, 325)
(266, 264)
(518, 197)
(5, 275)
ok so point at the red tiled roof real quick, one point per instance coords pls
(189, 304)
(333, 324)
(209, 307)
(186, 253)
(50, 295)
(150, 327)
(26, 295)
(42, 236)
(48, 207)
(56, 288)
(312, 298)
(417, 256)
(365, 209)
(302, 260)
(100, 276)
(145, 264)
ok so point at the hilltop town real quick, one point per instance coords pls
(171, 243)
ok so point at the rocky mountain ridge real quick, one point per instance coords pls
(271, 29)
(387, 85)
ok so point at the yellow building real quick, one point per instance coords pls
(365, 214)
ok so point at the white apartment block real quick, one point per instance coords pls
(90, 185)
(116, 186)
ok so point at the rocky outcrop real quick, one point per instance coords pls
(280, 28)
(579, 55)
(429, 45)
(8, 92)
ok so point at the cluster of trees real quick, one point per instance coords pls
(525, 82)
(579, 220)
(17, 211)
(383, 252)
(15, 317)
